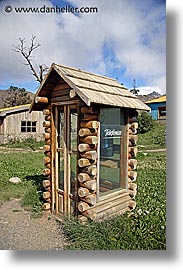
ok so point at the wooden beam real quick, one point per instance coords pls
(132, 186)
(91, 199)
(132, 163)
(48, 141)
(89, 214)
(134, 125)
(47, 118)
(88, 110)
(48, 189)
(83, 132)
(132, 193)
(83, 206)
(90, 184)
(89, 155)
(89, 124)
(48, 165)
(46, 112)
(132, 175)
(42, 100)
(47, 136)
(82, 162)
(46, 160)
(82, 192)
(132, 204)
(72, 93)
(46, 183)
(91, 170)
(46, 195)
(82, 219)
(83, 177)
(133, 140)
(132, 131)
(132, 152)
(46, 124)
(89, 139)
(61, 87)
(83, 147)
(46, 206)
(46, 172)
(46, 148)
(90, 117)
(47, 153)
(47, 129)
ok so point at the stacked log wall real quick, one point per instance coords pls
(87, 162)
(132, 161)
(59, 92)
(88, 206)
(47, 194)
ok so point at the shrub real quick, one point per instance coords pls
(145, 122)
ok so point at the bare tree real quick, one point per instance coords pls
(26, 52)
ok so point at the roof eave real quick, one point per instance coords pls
(33, 107)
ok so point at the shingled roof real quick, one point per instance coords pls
(91, 88)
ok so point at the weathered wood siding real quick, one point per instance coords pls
(10, 126)
(13, 122)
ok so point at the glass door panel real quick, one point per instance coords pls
(66, 159)
(60, 149)
(73, 150)
(111, 135)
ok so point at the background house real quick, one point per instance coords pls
(158, 108)
(17, 123)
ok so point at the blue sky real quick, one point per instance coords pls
(125, 39)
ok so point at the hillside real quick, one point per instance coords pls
(148, 97)
(4, 94)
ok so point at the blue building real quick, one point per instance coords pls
(158, 108)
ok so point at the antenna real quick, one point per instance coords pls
(134, 83)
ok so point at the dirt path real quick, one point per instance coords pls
(18, 231)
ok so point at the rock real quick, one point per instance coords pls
(15, 180)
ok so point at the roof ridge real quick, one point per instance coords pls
(84, 71)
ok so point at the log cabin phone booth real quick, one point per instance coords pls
(90, 144)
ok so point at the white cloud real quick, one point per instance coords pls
(148, 90)
(136, 35)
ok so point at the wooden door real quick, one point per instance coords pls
(66, 159)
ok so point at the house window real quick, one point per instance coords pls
(111, 150)
(28, 126)
(162, 112)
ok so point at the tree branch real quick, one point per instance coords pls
(26, 52)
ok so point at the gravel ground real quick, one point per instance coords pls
(18, 231)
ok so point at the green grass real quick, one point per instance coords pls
(154, 139)
(144, 229)
(29, 143)
(28, 167)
